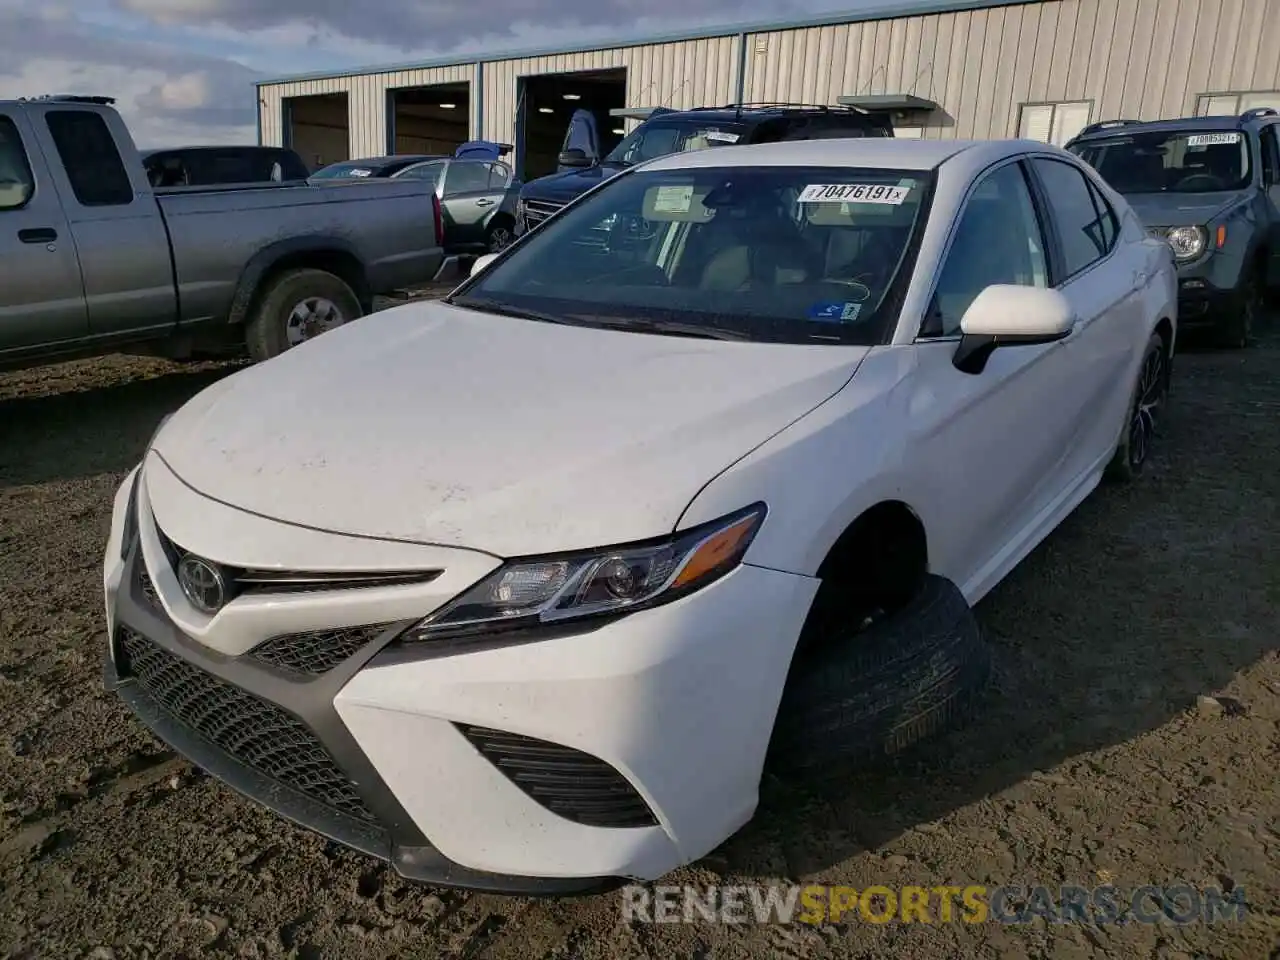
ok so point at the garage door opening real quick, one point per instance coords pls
(435, 119)
(547, 103)
(318, 128)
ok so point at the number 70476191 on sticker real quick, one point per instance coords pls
(857, 192)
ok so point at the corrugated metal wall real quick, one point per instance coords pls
(980, 65)
(686, 74)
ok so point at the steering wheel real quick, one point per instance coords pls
(1207, 180)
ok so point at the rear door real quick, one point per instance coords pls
(114, 218)
(467, 200)
(41, 295)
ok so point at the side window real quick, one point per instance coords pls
(1271, 154)
(1082, 226)
(466, 176)
(89, 155)
(997, 240)
(499, 176)
(1108, 222)
(16, 183)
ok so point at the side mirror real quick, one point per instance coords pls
(481, 262)
(574, 157)
(1009, 315)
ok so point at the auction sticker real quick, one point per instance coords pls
(721, 136)
(1205, 139)
(673, 200)
(853, 193)
(835, 310)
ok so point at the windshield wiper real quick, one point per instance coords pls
(669, 328)
(485, 305)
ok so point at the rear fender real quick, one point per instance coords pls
(262, 263)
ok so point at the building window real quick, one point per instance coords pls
(1234, 104)
(1054, 123)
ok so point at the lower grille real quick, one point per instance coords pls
(317, 652)
(148, 587)
(256, 733)
(575, 785)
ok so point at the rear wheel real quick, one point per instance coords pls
(1146, 412)
(298, 306)
(499, 235)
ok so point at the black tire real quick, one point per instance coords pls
(1142, 425)
(1236, 330)
(500, 234)
(861, 698)
(267, 333)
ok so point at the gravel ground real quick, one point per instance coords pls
(1134, 733)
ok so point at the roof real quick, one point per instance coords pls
(898, 154)
(1169, 126)
(885, 10)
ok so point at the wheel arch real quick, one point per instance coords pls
(331, 254)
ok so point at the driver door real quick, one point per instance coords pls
(990, 445)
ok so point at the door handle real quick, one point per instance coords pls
(38, 235)
(484, 202)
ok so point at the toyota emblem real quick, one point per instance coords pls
(202, 583)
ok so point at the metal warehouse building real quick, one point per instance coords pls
(964, 68)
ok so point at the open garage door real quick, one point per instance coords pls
(435, 119)
(546, 105)
(319, 128)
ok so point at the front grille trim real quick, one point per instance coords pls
(254, 732)
(316, 652)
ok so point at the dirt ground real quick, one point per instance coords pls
(1098, 756)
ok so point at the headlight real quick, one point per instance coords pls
(1187, 242)
(612, 580)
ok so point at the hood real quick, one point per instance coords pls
(1181, 209)
(433, 424)
(563, 187)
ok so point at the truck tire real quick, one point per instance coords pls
(296, 306)
(873, 693)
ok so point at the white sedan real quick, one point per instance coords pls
(522, 590)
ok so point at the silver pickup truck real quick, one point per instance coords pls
(94, 261)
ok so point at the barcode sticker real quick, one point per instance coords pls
(721, 136)
(853, 193)
(1204, 139)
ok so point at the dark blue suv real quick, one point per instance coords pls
(672, 131)
(1210, 187)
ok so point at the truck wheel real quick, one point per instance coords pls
(297, 306)
(877, 691)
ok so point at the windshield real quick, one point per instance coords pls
(784, 254)
(1185, 161)
(338, 171)
(655, 138)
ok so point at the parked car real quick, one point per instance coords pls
(477, 191)
(93, 261)
(211, 166)
(1210, 186)
(583, 165)
(551, 569)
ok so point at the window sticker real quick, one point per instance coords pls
(840, 311)
(853, 193)
(721, 136)
(1205, 139)
(359, 172)
(671, 199)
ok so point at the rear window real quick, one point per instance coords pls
(1183, 161)
(792, 254)
(341, 171)
(89, 156)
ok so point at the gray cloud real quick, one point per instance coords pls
(446, 25)
(163, 92)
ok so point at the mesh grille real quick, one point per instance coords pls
(316, 652)
(253, 731)
(575, 785)
(148, 587)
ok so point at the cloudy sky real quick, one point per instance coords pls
(183, 70)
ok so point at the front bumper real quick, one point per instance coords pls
(1201, 304)
(414, 755)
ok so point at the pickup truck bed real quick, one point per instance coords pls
(92, 260)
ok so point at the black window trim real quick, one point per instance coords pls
(1048, 241)
(26, 161)
(1061, 275)
(66, 169)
